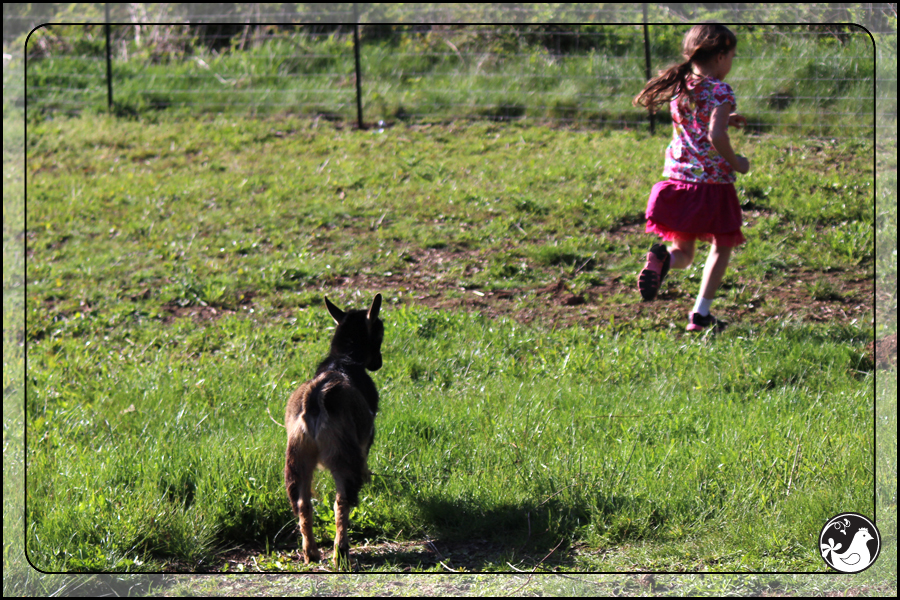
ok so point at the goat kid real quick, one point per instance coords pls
(330, 422)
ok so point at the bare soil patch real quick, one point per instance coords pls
(613, 300)
(885, 351)
(841, 296)
(197, 313)
(393, 557)
(431, 277)
(610, 301)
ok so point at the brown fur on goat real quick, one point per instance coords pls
(330, 422)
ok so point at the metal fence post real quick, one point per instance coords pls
(359, 111)
(109, 86)
(647, 65)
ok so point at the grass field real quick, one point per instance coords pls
(535, 413)
(790, 81)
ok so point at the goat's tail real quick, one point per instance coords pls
(313, 414)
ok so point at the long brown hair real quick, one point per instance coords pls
(701, 43)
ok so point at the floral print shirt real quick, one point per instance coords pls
(691, 156)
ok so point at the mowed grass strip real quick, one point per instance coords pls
(175, 273)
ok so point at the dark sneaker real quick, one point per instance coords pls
(654, 272)
(696, 322)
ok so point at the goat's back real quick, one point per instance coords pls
(328, 419)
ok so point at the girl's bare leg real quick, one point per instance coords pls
(681, 253)
(714, 271)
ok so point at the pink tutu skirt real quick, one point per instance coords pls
(709, 212)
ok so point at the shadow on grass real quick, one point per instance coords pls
(460, 535)
(521, 536)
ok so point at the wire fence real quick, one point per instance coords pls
(21, 18)
(816, 80)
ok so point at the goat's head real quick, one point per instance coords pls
(358, 334)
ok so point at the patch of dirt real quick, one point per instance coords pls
(197, 313)
(884, 351)
(395, 557)
(789, 295)
(431, 277)
(205, 312)
(429, 280)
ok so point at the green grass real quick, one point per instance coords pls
(789, 83)
(432, 256)
(174, 280)
(209, 211)
(143, 451)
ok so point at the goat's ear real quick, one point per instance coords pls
(376, 306)
(336, 313)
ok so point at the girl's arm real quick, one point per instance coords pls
(718, 135)
(736, 120)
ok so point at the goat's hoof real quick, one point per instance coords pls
(342, 560)
(311, 556)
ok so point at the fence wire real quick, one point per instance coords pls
(811, 80)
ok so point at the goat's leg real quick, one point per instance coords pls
(298, 475)
(348, 479)
(341, 538)
(347, 485)
(346, 460)
(310, 550)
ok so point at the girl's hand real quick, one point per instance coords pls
(718, 136)
(736, 120)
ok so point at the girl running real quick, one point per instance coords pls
(698, 201)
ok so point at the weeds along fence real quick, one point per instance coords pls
(801, 79)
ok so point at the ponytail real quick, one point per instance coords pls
(665, 86)
(701, 43)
